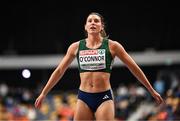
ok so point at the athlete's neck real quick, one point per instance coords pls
(94, 40)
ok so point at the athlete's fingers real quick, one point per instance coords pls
(38, 103)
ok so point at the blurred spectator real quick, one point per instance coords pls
(174, 81)
(141, 93)
(122, 109)
(133, 94)
(3, 90)
(122, 92)
(159, 86)
(31, 113)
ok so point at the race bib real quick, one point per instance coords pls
(92, 59)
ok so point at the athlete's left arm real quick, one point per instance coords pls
(121, 53)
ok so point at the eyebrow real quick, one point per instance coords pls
(94, 19)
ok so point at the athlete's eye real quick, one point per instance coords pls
(96, 20)
(93, 20)
(90, 20)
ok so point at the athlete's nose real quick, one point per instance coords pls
(92, 22)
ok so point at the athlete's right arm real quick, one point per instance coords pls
(58, 72)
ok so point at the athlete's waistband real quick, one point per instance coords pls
(108, 90)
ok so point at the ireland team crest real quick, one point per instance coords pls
(101, 51)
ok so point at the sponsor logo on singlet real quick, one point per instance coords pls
(92, 59)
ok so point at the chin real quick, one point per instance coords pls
(94, 32)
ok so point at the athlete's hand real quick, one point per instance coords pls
(158, 98)
(39, 101)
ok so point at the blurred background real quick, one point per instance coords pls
(36, 34)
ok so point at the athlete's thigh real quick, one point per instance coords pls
(106, 111)
(82, 112)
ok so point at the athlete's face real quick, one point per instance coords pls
(93, 24)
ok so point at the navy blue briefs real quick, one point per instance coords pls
(94, 100)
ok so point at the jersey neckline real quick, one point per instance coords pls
(93, 48)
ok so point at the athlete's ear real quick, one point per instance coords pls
(102, 29)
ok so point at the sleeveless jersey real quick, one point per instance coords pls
(90, 60)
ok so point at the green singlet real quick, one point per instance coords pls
(90, 60)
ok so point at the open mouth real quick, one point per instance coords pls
(93, 27)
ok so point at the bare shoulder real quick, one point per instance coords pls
(73, 48)
(114, 44)
(74, 45)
